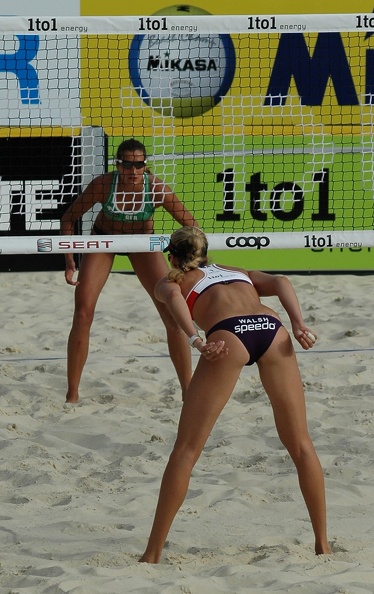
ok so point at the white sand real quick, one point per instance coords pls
(79, 483)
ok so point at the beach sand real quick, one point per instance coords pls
(79, 483)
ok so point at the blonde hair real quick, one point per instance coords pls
(189, 246)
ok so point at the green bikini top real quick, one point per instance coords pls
(145, 211)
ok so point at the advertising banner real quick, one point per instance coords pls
(304, 129)
(333, 113)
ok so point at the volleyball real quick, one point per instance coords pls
(182, 75)
(180, 9)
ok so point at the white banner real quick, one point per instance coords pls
(187, 24)
(79, 244)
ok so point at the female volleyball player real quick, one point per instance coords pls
(129, 197)
(240, 330)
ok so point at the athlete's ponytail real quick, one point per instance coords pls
(189, 246)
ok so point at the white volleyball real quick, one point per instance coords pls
(182, 75)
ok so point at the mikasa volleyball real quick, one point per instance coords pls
(182, 75)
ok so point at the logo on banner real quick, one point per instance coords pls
(19, 64)
(158, 243)
(249, 241)
(44, 244)
(41, 80)
(182, 75)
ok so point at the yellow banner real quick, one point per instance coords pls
(319, 99)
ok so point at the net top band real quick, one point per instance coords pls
(180, 25)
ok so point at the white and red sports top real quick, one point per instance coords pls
(214, 275)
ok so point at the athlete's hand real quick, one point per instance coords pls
(214, 350)
(69, 274)
(305, 336)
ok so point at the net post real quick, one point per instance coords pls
(94, 159)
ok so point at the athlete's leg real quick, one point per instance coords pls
(209, 390)
(150, 268)
(93, 274)
(281, 379)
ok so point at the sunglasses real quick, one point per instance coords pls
(131, 164)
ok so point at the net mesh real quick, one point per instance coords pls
(254, 132)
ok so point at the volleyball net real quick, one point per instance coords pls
(261, 125)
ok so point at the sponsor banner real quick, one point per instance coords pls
(158, 25)
(293, 95)
(338, 105)
(26, 97)
(79, 244)
(157, 243)
(314, 258)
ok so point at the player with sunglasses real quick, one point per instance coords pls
(129, 197)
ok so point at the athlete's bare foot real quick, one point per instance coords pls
(72, 397)
(147, 558)
(323, 549)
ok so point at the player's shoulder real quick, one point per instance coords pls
(158, 186)
(100, 185)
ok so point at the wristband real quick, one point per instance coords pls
(192, 339)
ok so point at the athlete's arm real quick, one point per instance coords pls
(94, 192)
(170, 201)
(268, 285)
(170, 294)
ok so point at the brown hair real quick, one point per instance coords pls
(130, 146)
